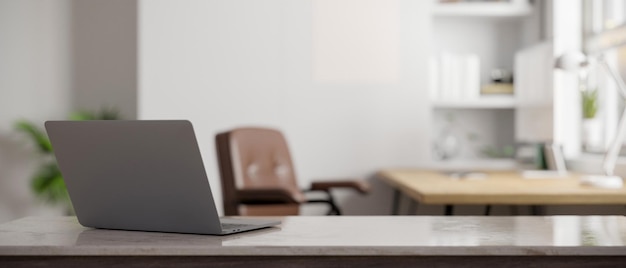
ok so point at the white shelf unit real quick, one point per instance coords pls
(494, 31)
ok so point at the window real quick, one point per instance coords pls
(604, 40)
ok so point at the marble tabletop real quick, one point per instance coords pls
(335, 236)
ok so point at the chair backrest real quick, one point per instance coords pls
(254, 158)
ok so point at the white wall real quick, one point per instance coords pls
(223, 64)
(34, 85)
(57, 56)
(104, 55)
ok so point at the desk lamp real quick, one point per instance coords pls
(574, 61)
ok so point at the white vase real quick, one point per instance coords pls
(592, 135)
(447, 145)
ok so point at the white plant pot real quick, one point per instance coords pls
(592, 135)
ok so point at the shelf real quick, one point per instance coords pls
(513, 9)
(489, 102)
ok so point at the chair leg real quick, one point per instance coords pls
(334, 209)
(330, 201)
(395, 206)
(412, 207)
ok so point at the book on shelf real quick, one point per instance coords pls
(554, 157)
(454, 76)
(497, 88)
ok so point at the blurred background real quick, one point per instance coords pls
(355, 85)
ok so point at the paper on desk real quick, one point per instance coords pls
(544, 174)
(467, 175)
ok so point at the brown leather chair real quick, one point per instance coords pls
(258, 176)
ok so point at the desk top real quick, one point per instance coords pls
(334, 236)
(498, 188)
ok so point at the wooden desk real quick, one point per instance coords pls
(497, 188)
(370, 241)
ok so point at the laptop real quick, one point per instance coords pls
(139, 175)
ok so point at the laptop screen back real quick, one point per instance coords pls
(135, 175)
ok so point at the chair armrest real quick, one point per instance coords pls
(358, 185)
(269, 196)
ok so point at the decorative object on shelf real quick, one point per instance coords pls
(501, 76)
(575, 61)
(506, 151)
(47, 183)
(447, 145)
(501, 83)
(531, 156)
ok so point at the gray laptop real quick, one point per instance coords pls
(139, 175)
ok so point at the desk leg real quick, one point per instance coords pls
(395, 206)
(413, 207)
(448, 210)
(514, 210)
(487, 210)
(536, 210)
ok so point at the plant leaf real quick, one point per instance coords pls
(108, 114)
(49, 185)
(42, 141)
(82, 115)
(105, 113)
(589, 103)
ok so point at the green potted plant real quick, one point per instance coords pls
(590, 103)
(47, 183)
(591, 126)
